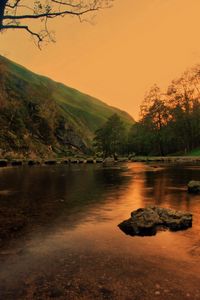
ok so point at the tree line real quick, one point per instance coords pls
(169, 122)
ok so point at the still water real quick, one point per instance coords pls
(70, 246)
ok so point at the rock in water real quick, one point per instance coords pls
(147, 221)
(194, 187)
(109, 160)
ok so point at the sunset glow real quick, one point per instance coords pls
(130, 47)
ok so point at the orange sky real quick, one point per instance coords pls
(132, 46)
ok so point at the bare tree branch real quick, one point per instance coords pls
(25, 28)
(66, 3)
(13, 12)
(14, 4)
(49, 15)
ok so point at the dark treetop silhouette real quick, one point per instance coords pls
(16, 14)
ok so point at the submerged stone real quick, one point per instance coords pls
(147, 221)
(50, 162)
(194, 187)
(3, 163)
(33, 162)
(17, 163)
(90, 161)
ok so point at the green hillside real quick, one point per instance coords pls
(41, 116)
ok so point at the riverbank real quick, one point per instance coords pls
(173, 159)
(91, 160)
(31, 162)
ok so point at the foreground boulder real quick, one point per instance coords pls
(194, 187)
(147, 221)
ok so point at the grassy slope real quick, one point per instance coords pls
(85, 112)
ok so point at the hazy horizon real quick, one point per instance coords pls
(130, 48)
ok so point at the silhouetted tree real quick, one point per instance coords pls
(154, 117)
(169, 122)
(111, 137)
(184, 101)
(17, 14)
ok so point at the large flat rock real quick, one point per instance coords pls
(147, 221)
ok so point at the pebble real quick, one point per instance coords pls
(69, 283)
(157, 293)
(188, 295)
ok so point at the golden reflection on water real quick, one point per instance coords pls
(74, 233)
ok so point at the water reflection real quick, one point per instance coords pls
(48, 193)
(71, 247)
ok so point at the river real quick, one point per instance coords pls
(70, 247)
